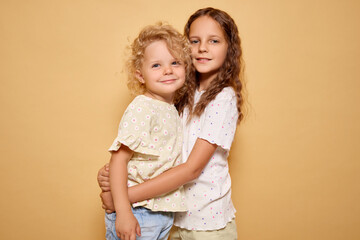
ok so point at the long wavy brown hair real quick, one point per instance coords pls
(231, 73)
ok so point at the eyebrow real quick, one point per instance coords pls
(160, 60)
(214, 35)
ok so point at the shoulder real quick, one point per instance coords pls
(138, 108)
(225, 101)
(227, 94)
(140, 102)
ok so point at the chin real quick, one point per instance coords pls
(203, 71)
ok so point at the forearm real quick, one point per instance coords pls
(118, 185)
(118, 180)
(177, 176)
(166, 182)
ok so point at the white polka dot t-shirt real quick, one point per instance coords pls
(153, 130)
(209, 197)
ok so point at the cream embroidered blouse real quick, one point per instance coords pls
(152, 129)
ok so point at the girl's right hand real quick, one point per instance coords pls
(103, 178)
(127, 226)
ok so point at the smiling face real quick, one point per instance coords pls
(209, 46)
(161, 72)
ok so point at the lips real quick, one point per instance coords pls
(202, 60)
(168, 80)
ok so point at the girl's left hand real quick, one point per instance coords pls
(107, 202)
(103, 178)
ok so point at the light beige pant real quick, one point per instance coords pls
(227, 233)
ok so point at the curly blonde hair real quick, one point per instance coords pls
(177, 44)
(231, 74)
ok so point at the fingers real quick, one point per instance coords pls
(103, 175)
(105, 189)
(138, 230)
(106, 209)
(105, 186)
(104, 179)
(127, 236)
(107, 202)
(103, 182)
(104, 171)
(121, 236)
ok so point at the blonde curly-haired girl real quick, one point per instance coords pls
(149, 139)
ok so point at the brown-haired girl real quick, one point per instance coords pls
(211, 109)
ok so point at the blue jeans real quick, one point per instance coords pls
(154, 225)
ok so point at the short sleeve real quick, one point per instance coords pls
(134, 130)
(220, 120)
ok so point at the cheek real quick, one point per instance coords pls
(223, 54)
(182, 73)
(193, 50)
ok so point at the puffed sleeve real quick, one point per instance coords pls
(134, 130)
(220, 120)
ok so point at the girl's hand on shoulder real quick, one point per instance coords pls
(103, 178)
(127, 226)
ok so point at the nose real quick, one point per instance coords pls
(202, 47)
(168, 70)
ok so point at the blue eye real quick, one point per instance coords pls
(176, 63)
(214, 41)
(155, 65)
(194, 41)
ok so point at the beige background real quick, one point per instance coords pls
(295, 161)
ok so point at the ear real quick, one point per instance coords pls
(139, 76)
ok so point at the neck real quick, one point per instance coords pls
(168, 99)
(205, 79)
